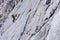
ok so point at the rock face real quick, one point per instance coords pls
(37, 20)
(6, 6)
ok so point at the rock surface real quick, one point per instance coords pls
(38, 20)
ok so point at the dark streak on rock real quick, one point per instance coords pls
(47, 7)
(29, 10)
(34, 13)
(46, 34)
(18, 7)
(28, 31)
(24, 27)
(37, 29)
(48, 2)
(43, 25)
(53, 11)
(21, 0)
(0, 25)
(31, 36)
(46, 19)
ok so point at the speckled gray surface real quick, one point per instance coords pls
(38, 20)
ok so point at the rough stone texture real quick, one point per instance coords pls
(38, 20)
(6, 6)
